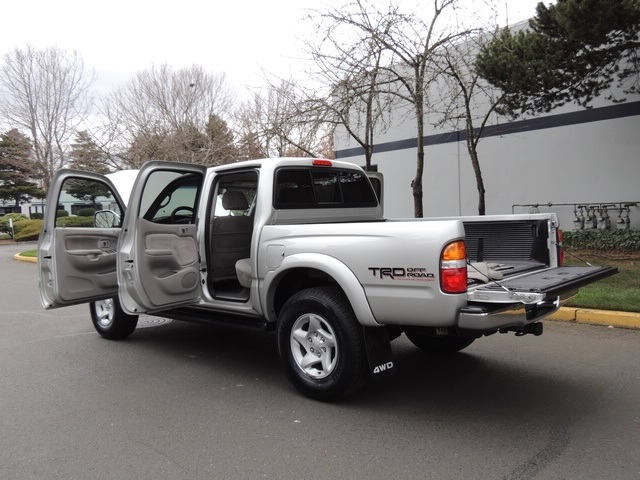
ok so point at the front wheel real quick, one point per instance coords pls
(440, 345)
(110, 320)
(321, 344)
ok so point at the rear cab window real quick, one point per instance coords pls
(305, 188)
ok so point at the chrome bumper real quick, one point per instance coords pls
(487, 318)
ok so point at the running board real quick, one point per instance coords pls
(208, 317)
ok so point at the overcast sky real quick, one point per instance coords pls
(118, 38)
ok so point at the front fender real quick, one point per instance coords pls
(332, 267)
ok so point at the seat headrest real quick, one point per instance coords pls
(234, 200)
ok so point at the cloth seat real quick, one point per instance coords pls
(243, 272)
(231, 237)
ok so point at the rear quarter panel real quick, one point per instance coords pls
(396, 263)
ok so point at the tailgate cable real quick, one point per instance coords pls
(514, 295)
(489, 279)
(567, 252)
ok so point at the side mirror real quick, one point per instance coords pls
(106, 219)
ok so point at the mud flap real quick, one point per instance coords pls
(379, 354)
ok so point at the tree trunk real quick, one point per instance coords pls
(475, 162)
(368, 154)
(479, 181)
(416, 183)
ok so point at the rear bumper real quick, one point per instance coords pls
(487, 319)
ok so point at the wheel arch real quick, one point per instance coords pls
(302, 271)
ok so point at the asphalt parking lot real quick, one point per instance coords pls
(177, 400)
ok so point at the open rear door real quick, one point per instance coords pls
(77, 246)
(158, 258)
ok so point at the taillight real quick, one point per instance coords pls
(559, 238)
(453, 268)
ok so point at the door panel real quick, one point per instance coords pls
(76, 254)
(168, 256)
(158, 258)
(85, 263)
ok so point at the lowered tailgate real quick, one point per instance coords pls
(538, 286)
(514, 302)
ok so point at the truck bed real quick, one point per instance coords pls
(523, 253)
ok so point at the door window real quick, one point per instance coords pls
(170, 197)
(87, 203)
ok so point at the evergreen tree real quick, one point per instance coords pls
(573, 51)
(221, 145)
(17, 169)
(86, 155)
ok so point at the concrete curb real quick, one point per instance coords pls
(565, 314)
(21, 258)
(605, 318)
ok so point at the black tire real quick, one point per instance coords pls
(319, 323)
(110, 320)
(439, 345)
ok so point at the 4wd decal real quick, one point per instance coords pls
(382, 368)
(402, 273)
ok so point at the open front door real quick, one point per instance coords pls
(77, 246)
(158, 258)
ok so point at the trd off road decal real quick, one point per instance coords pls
(402, 273)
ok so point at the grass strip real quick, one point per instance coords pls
(620, 292)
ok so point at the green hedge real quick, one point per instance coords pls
(4, 221)
(15, 216)
(602, 239)
(74, 222)
(86, 212)
(27, 230)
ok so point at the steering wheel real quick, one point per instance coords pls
(175, 218)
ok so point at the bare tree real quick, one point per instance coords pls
(45, 92)
(349, 67)
(466, 98)
(409, 44)
(283, 121)
(252, 142)
(164, 114)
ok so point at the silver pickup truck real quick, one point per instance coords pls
(299, 246)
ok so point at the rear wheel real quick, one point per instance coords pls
(110, 320)
(437, 344)
(321, 344)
